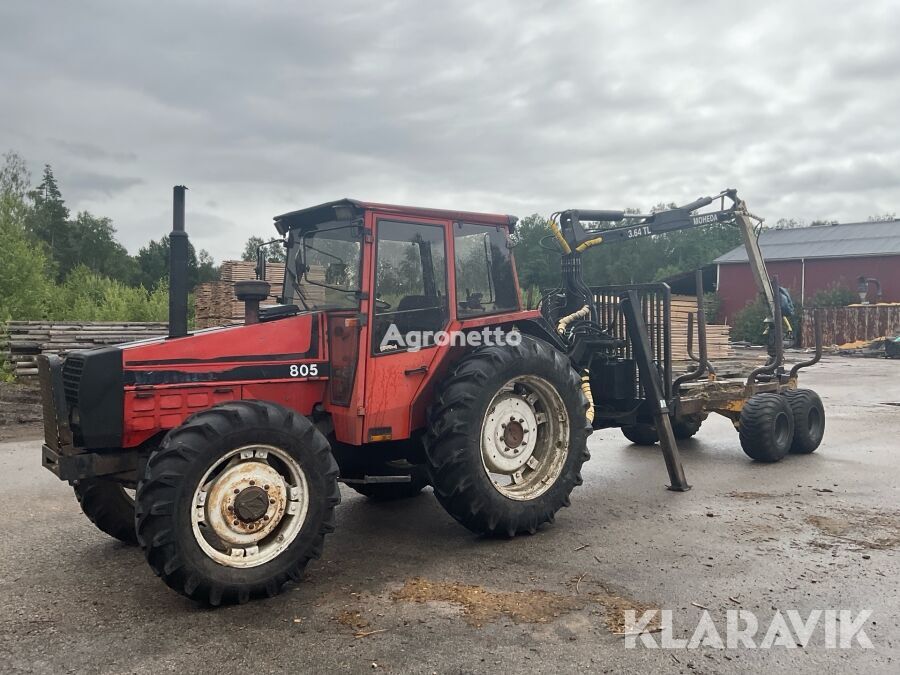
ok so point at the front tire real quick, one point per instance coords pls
(108, 506)
(236, 502)
(507, 438)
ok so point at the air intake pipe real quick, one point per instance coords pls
(178, 267)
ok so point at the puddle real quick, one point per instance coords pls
(480, 606)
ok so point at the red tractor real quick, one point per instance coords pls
(400, 356)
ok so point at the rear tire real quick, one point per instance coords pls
(503, 406)
(641, 434)
(766, 427)
(236, 501)
(809, 420)
(687, 427)
(108, 507)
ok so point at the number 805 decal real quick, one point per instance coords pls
(304, 370)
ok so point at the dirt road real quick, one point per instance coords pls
(403, 588)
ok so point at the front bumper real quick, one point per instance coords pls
(59, 452)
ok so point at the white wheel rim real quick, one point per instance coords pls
(249, 506)
(525, 438)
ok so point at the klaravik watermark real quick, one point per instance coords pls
(832, 628)
(413, 341)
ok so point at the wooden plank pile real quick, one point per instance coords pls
(23, 341)
(854, 323)
(214, 301)
(718, 336)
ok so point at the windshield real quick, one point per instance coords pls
(332, 259)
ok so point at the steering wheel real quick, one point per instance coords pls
(382, 304)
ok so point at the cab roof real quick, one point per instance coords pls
(344, 209)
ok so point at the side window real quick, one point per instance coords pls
(484, 275)
(410, 286)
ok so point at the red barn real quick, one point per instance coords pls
(810, 259)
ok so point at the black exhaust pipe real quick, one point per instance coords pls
(178, 267)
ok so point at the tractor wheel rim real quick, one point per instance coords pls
(525, 438)
(249, 506)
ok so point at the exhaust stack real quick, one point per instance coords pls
(178, 267)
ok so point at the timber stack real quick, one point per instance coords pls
(23, 341)
(214, 301)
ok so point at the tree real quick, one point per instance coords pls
(153, 264)
(884, 217)
(91, 242)
(274, 252)
(48, 219)
(24, 283)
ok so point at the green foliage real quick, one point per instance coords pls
(275, 252)
(153, 264)
(88, 296)
(749, 323)
(24, 268)
(836, 295)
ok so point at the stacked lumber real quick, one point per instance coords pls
(214, 301)
(854, 323)
(718, 336)
(23, 341)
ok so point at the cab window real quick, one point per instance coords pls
(485, 283)
(410, 286)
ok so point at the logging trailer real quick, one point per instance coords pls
(220, 451)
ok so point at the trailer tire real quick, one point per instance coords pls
(534, 383)
(199, 472)
(687, 427)
(108, 507)
(641, 434)
(766, 427)
(809, 420)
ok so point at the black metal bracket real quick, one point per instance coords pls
(653, 388)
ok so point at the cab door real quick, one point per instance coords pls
(408, 307)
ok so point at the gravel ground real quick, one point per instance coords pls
(403, 588)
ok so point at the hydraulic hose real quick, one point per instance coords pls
(566, 320)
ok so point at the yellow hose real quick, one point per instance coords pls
(566, 320)
(587, 244)
(586, 388)
(559, 236)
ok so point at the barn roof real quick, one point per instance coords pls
(825, 241)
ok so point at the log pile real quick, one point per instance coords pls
(718, 336)
(23, 341)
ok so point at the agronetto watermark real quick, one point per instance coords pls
(789, 629)
(394, 339)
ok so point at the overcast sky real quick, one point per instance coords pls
(503, 106)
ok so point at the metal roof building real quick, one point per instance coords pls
(810, 259)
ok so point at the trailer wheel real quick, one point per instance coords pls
(108, 506)
(687, 427)
(809, 420)
(766, 427)
(236, 501)
(641, 434)
(507, 438)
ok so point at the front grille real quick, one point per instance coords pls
(73, 367)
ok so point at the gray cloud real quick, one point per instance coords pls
(506, 106)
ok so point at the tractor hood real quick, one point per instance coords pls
(255, 352)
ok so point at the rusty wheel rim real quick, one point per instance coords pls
(249, 506)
